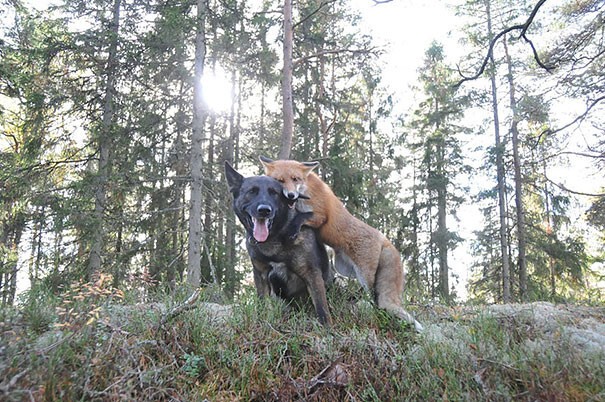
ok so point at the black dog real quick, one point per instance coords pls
(287, 258)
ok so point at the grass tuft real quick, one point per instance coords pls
(101, 348)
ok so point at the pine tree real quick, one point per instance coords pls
(440, 160)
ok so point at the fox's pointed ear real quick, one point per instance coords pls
(234, 179)
(309, 166)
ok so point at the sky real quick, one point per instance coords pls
(406, 29)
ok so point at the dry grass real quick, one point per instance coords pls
(91, 347)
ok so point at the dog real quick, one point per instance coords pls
(361, 251)
(287, 259)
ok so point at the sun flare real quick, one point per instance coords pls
(217, 90)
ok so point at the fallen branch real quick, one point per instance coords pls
(186, 305)
(5, 388)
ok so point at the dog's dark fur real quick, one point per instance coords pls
(287, 258)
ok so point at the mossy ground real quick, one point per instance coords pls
(91, 345)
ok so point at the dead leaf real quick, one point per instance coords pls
(334, 374)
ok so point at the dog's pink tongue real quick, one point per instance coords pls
(261, 229)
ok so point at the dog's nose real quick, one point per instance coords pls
(263, 210)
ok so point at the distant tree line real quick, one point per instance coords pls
(111, 151)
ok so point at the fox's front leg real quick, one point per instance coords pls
(293, 230)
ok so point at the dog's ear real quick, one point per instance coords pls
(309, 166)
(266, 163)
(264, 159)
(234, 179)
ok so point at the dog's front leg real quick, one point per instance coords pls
(261, 271)
(317, 289)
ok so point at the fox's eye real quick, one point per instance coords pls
(281, 180)
(295, 179)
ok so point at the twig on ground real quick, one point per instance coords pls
(186, 305)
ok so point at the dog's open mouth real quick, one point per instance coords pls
(261, 227)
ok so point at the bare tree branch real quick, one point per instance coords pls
(523, 28)
(565, 188)
(325, 52)
(487, 57)
(322, 5)
(579, 118)
(532, 16)
(536, 56)
(575, 153)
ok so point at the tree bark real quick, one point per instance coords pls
(95, 261)
(442, 232)
(196, 157)
(287, 102)
(231, 155)
(442, 239)
(500, 173)
(522, 264)
(551, 230)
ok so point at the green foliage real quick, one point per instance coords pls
(38, 305)
(436, 154)
(596, 213)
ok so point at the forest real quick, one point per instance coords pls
(117, 117)
(112, 153)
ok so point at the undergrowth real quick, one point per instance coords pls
(89, 344)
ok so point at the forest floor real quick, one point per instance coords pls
(97, 346)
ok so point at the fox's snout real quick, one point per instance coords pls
(290, 195)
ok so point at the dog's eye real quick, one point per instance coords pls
(273, 192)
(253, 191)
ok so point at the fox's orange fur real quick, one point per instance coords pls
(361, 250)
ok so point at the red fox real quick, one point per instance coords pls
(361, 250)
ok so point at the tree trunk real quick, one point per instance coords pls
(197, 137)
(323, 125)
(415, 267)
(95, 261)
(500, 172)
(230, 230)
(442, 238)
(287, 103)
(36, 247)
(211, 240)
(176, 267)
(551, 230)
(441, 188)
(522, 264)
